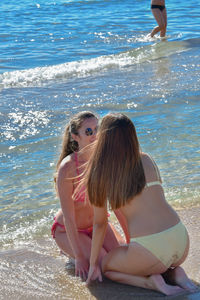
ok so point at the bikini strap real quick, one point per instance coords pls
(76, 161)
(148, 184)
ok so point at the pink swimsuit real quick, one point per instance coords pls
(87, 231)
(79, 196)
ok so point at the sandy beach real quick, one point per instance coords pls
(22, 273)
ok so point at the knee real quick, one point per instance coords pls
(59, 217)
(58, 233)
(109, 274)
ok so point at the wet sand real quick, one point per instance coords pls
(43, 274)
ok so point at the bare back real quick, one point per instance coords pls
(149, 211)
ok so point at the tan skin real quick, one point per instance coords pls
(160, 17)
(133, 264)
(78, 214)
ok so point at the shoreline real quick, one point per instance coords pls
(31, 274)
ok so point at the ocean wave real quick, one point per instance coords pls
(41, 75)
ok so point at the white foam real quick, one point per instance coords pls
(41, 75)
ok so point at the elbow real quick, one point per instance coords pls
(100, 225)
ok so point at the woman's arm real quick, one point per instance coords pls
(99, 229)
(65, 191)
(123, 223)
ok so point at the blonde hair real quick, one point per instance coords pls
(68, 144)
(115, 172)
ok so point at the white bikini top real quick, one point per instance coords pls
(148, 184)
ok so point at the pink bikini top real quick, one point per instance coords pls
(79, 195)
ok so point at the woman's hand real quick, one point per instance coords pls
(94, 273)
(81, 268)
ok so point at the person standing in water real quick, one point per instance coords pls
(122, 177)
(73, 223)
(160, 14)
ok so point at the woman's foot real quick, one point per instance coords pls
(156, 282)
(178, 276)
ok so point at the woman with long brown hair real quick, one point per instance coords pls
(123, 178)
(72, 227)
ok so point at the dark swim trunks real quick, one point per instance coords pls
(161, 7)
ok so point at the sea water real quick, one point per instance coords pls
(60, 57)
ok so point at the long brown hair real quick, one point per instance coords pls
(68, 144)
(115, 172)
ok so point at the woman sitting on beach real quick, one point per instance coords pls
(160, 14)
(122, 177)
(72, 228)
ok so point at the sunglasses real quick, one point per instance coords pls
(89, 131)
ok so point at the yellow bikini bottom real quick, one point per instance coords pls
(168, 246)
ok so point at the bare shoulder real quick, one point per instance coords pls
(146, 159)
(150, 166)
(67, 167)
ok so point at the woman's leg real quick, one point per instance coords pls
(160, 19)
(64, 244)
(134, 265)
(111, 241)
(176, 274)
(164, 14)
(153, 282)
